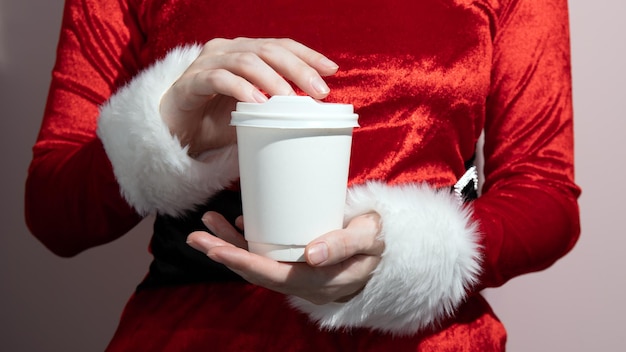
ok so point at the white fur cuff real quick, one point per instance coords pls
(431, 258)
(153, 169)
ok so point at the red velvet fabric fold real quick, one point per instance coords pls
(242, 317)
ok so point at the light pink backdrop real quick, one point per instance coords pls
(54, 304)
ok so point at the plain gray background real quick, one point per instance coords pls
(53, 304)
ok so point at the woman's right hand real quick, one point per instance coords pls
(198, 105)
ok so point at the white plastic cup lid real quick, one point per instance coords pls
(294, 112)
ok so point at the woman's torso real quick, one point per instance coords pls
(417, 72)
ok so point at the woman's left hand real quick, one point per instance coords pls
(338, 264)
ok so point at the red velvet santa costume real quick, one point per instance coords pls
(425, 77)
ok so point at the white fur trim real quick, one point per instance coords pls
(431, 259)
(153, 169)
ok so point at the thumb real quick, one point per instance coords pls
(360, 237)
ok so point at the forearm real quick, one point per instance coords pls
(72, 201)
(525, 230)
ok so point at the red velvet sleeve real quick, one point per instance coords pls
(72, 201)
(528, 212)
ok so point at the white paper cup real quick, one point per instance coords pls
(294, 154)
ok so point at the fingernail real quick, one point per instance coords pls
(195, 245)
(318, 253)
(258, 96)
(319, 85)
(329, 64)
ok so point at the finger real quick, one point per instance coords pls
(203, 241)
(254, 69)
(221, 228)
(225, 81)
(295, 69)
(296, 62)
(239, 222)
(323, 65)
(361, 236)
(311, 57)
